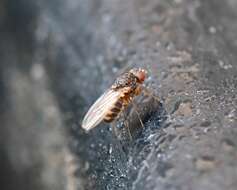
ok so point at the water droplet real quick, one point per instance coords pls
(110, 149)
(212, 30)
(37, 71)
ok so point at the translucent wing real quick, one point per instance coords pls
(99, 109)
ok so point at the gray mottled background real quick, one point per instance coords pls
(57, 57)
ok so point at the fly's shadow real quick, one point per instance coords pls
(143, 117)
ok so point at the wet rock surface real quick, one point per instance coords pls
(59, 56)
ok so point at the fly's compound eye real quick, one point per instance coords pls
(140, 74)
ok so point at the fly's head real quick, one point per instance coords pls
(139, 73)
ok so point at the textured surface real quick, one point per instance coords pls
(59, 56)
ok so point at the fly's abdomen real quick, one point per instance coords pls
(114, 112)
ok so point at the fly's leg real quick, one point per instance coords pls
(138, 115)
(113, 124)
(126, 125)
(147, 92)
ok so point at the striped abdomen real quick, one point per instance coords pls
(114, 112)
(118, 107)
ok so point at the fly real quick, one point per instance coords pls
(118, 97)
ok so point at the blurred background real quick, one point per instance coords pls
(57, 57)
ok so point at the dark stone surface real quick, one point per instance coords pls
(59, 56)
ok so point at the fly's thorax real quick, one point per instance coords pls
(125, 80)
